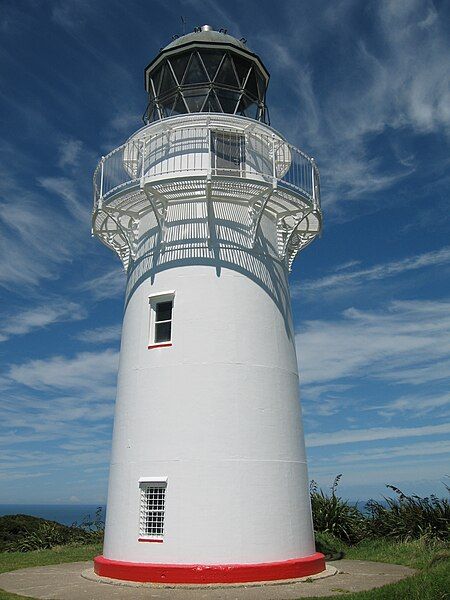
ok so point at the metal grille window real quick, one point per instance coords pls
(227, 152)
(151, 514)
(161, 317)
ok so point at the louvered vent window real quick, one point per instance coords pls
(151, 514)
(227, 152)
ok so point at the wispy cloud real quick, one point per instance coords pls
(85, 371)
(345, 277)
(100, 335)
(108, 285)
(69, 153)
(407, 341)
(352, 436)
(21, 323)
(65, 189)
(386, 87)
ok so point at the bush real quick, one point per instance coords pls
(406, 518)
(332, 514)
(23, 533)
(328, 545)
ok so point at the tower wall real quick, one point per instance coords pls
(217, 413)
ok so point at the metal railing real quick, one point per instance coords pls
(209, 151)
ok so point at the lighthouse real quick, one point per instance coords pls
(207, 207)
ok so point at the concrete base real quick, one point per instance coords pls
(206, 574)
(65, 582)
(92, 576)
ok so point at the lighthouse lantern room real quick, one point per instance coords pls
(207, 207)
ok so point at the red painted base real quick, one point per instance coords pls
(160, 573)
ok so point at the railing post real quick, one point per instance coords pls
(313, 183)
(274, 174)
(143, 159)
(100, 201)
(209, 162)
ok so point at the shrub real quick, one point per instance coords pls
(330, 546)
(407, 518)
(22, 533)
(332, 514)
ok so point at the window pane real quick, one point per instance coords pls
(251, 86)
(163, 332)
(179, 64)
(195, 72)
(167, 81)
(226, 73)
(211, 60)
(195, 98)
(242, 67)
(228, 100)
(164, 311)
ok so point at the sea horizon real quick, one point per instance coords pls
(66, 514)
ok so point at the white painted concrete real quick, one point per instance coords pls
(218, 412)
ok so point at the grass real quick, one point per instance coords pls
(431, 557)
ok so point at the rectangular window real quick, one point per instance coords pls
(151, 513)
(161, 316)
(227, 153)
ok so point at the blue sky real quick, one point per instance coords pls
(364, 87)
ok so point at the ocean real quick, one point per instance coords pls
(67, 514)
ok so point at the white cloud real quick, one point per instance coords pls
(352, 436)
(65, 189)
(85, 371)
(69, 153)
(39, 317)
(347, 279)
(407, 341)
(30, 249)
(413, 404)
(109, 285)
(386, 86)
(100, 335)
(389, 453)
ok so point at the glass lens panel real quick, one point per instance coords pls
(242, 68)
(164, 311)
(195, 98)
(163, 332)
(179, 107)
(261, 85)
(156, 76)
(212, 105)
(195, 73)
(251, 86)
(211, 60)
(179, 64)
(226, 73)
(167, 105)
(167, 81)
(228, 100)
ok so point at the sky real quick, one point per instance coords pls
(364, 87)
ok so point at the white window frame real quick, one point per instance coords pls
(144, 484)
(155, 299)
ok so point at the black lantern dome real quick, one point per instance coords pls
(206, 71)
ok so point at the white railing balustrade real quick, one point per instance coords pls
(208, 151)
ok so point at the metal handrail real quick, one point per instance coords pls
(188, 149)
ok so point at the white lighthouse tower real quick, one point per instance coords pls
(207, 207)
